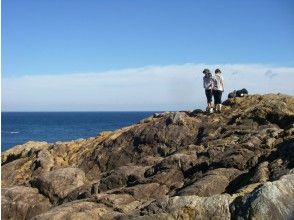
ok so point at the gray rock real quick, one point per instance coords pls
(274, 200)
(176, 118)
(76, 210)
(20, 202)
(57, 184)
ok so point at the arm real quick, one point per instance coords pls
(203, 83)
(222, 82)
(212, 83)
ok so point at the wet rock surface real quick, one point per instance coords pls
(173, 165)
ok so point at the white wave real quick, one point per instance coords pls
(10, 132)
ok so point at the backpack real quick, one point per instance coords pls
(232, 94)
(241, 92)
(244, 91)
(238, 93)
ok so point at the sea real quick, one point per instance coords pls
(20, 127)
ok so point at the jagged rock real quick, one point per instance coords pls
(188, 207)
(16, 172)
(262, 173)
(20, 202)
(171, 178)
(125, 203)
(144, 192)
(22, 150)
(59, 183)
(44, 160)
(177, 118)
(225, 163)
(77, 210)
(212, 183)
(273, 200)
(123, 176)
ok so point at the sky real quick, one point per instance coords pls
(76, 55)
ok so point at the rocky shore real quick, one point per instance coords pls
(174, 165)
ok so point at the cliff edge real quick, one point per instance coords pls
(173, 165)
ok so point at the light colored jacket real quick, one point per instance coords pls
(207, 82)
(218, 82)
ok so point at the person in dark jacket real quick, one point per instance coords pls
(208, 85)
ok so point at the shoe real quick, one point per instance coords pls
(211, 110)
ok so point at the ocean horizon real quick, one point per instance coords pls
(18, 127)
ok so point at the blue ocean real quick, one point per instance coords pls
(20, 127)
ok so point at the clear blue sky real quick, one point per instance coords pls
(72, 36)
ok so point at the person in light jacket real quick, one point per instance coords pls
(208, 86)
(218, 89)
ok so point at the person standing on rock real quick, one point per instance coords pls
(208, 86)
(218, 89)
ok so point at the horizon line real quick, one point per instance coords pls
(86, 111)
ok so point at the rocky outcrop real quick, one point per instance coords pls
(58, 184)
(172, 165)
(274, 199)
(20, 202)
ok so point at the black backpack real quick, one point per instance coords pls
(238, 93)
(241, 92)
(232, 94)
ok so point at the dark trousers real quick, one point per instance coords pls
(217, 95)
(208, 93)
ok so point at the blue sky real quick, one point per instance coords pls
(54, 38)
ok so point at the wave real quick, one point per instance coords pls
(11, 132)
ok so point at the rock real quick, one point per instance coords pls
(146, 120)
(212, 183)
(59, 183)
(144, 192)
(171, 178)
(16, 172)
(189, 207)
(76, 210)
(172, 165)
(270, 142)
(176, 118)
(262, 173)
(20, 202)
(44, 160)
(273, 200)
(82, 192)
(123, 176)
(181, 161)
(125, 203)
(23, 150)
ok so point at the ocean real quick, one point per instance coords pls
(20, 127)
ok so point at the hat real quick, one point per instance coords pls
(205, 71)
(217, 71)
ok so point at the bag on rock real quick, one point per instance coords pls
(241, 92)
(238, 93)
(232, 94)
